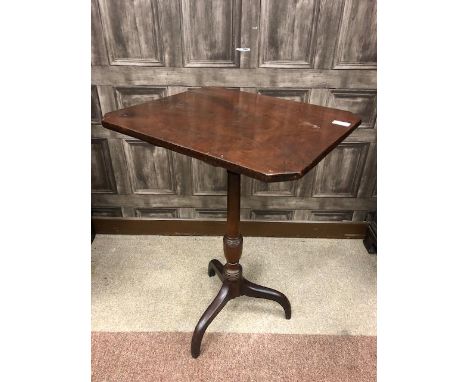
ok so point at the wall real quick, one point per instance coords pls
(315, 51)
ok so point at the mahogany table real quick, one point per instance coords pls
(266, 138)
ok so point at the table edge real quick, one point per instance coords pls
(218, 162)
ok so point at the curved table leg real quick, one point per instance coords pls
(211, 312)
(215, 266)
(234, 284)
(254, 290)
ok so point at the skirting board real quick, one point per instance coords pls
(138, 226)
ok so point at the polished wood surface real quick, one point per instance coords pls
(230, 290)
(266, 138)
(260, 136)
(233, 282)
(316, 52)
(181, 227)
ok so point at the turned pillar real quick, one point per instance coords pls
(232, 240)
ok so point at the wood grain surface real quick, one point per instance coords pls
(263, 137)
(320, 52)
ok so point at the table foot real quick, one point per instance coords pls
(215, 267)
(234, 285)
(254, 290)
(211, 312)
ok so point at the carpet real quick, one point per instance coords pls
(148, 292)
(156, 356)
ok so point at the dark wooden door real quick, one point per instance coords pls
(316, 51)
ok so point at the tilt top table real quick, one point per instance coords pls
(266, 138)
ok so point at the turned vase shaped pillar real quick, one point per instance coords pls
(232, 240)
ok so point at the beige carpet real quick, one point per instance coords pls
(160, 283)
(148, 293)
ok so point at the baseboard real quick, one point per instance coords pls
(139, 226)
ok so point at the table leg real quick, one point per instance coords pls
(254, 290)
(234, 284)
(215, 267)
(210, 313)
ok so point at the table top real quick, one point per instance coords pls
(266, 138)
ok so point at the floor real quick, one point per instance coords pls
(148, 293)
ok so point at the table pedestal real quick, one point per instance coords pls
(233, 283)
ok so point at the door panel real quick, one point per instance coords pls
(314, 51)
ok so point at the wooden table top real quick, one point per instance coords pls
(266, 138)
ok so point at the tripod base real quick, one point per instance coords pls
(234, 285)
